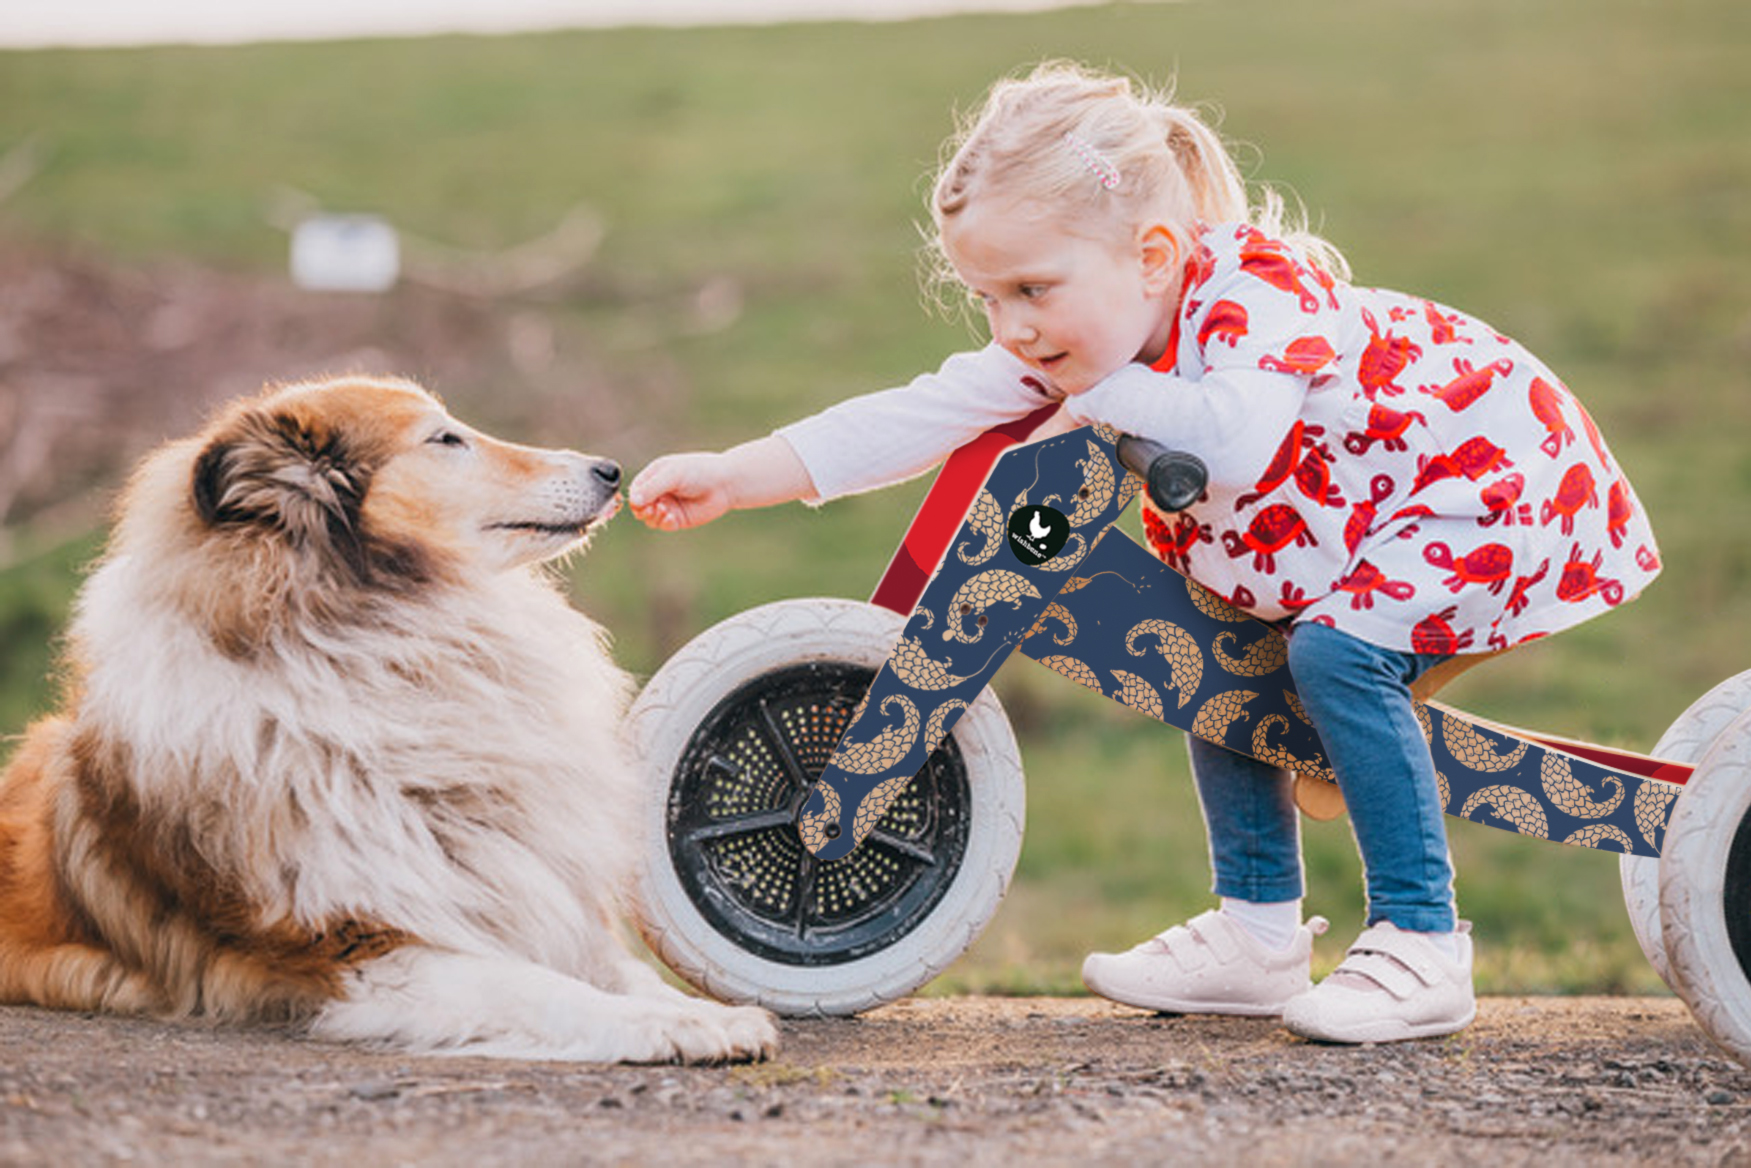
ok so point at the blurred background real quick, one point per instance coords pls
(636, 239)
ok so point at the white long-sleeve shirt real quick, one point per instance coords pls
(1378, 462)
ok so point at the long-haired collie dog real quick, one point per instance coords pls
(335, 752)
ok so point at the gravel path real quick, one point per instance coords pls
(962, 1081)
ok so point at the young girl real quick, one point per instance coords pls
(1436, 493)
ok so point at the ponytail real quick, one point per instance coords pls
(1217, 192)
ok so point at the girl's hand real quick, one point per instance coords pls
(679, 491)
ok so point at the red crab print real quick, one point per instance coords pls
(1405, 515)
(1473, 459)
(1361, 520)
(1386, 427)
(1501, 499)
(1581, 579)
(1518, 598)
(1307, 461)
(1575, 493)
(1293, 597)
(1304, 355)
(1416, 511)
(1173, 545)
(1478, 457)
(1490, 565)
(1227, 323)
(1267, 260)
(1271, 530)
(1646, 558)
(1443, 328)
(1283, 462)
(1313, 478)
(1619, 510)
(1433, 634)
(1366, 580)
(1496, 641)
(1463, 391)
(1383, 360)
(1547, 407)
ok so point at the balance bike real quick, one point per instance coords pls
(836, 801)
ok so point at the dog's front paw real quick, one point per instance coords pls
(712, 1033)
(753, 1033)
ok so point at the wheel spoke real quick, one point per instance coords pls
(780, 741)
(739, 825)
(911, 849)
(726, 766)
(807, 872)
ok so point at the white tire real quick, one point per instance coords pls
(729, 732)
(1686, 740)
(1705, 890)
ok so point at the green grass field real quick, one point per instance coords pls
(1576, 172)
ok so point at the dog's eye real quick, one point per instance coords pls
(447, 438)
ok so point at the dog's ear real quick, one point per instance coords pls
(278, 473)
(301, 483)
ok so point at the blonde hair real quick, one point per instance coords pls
(1103, 152)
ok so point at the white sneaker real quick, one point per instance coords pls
(1392, 985)
(1209, 965)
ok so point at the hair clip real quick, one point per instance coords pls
(1104, 171)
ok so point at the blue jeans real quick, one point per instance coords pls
(1357, 696)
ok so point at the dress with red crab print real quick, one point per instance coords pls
(1379, 463)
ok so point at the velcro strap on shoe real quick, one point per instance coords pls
(1183, 946)
(1384, 971)
(1409, 949)
(1212, 930)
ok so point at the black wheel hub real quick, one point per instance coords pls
(732, 837)
(1736, 896)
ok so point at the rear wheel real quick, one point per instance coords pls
(1686, 740)
(732, 731)
(1705, 890)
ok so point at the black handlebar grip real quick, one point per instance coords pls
(1175, 478)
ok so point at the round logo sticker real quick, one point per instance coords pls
(1036, 534)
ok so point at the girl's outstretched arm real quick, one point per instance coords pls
(679, 491)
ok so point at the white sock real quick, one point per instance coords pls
(1272, 924)
(1447, 944)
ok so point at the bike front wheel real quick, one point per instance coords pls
(730, 734)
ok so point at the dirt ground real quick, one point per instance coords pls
(963, 1081)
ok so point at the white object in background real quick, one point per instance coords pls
(345, 253)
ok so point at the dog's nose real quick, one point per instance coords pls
(608, 473)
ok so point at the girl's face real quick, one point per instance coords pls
(1075, 308)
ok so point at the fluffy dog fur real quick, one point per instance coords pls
(335, 752)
